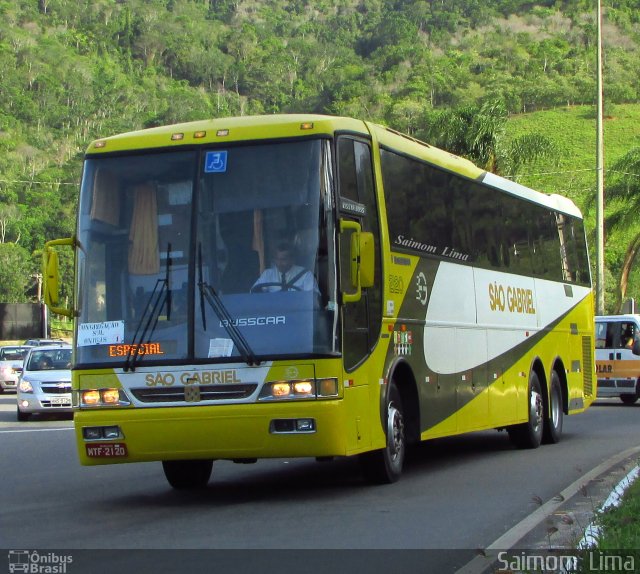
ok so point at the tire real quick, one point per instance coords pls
(187, 474)
(553, 413)
(629, 399)
(22, 417)
(384, 466)
(529, 434)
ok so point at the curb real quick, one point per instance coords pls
(592, 532)
(532, 532)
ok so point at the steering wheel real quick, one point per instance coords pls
(262, 287)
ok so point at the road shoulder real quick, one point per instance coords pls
(560, 523)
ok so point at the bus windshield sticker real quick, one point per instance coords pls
(106, 333)
(220, 348)
(215, 162)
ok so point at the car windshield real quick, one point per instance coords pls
(49, 359)
(158, 284)
(12, 354)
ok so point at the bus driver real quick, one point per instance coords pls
(284, 275)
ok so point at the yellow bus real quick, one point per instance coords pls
(315, 286)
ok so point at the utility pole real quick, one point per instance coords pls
(44, 316)
(599, 179)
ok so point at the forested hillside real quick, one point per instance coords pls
(71, 71)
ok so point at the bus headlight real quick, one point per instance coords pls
(300, 389)
(103, 397)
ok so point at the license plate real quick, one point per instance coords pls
(61, 401)
(106, 449)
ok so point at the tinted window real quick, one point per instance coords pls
(434, 212)
(615, 334)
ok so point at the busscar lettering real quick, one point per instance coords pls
(254, 321)
(513, 299)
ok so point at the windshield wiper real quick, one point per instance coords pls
(160, 296)
(208, 293)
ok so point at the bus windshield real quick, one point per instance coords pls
(207, 255)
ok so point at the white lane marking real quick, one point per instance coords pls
(34, 430)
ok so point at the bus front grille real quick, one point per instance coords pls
(194, 393)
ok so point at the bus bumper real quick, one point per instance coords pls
(211, 432)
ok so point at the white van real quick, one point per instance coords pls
(618, 357)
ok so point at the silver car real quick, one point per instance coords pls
(11, 357)
(45, 384)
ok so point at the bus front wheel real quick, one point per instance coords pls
(184, 474)
(529, 434)
(384, 466)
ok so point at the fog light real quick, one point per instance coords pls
(24, 404)
(305, 425)
(92, 433)
(282, 426)
(111, 432)
(292, 426)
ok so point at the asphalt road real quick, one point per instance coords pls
(456, 495)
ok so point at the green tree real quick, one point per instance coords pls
(16, 273)
(623, 198)
(477, 133)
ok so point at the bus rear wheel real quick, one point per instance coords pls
(529, 434)
(184, 474)
(553, 414)
(384, 466)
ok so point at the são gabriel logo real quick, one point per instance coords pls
(34, 562)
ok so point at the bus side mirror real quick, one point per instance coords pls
(636, 347)
(51, 276)
(361, 259)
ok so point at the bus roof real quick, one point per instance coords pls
(230, 129)
(233, 129)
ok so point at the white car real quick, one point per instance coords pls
(11, 357)
(45, 384)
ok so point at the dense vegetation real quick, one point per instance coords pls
(74, 71)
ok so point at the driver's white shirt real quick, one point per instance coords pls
(305, 281)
